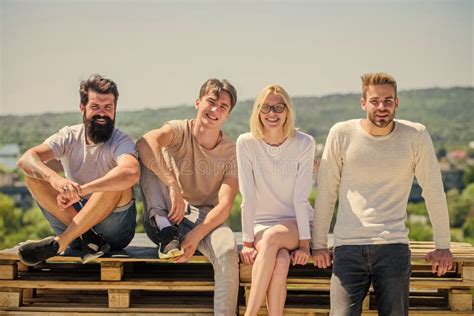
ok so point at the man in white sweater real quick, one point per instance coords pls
(369, 164)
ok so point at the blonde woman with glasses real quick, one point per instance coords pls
(275, 176)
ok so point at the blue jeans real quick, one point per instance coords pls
(387, 267)
(117, 229)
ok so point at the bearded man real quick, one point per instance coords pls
(92, 206)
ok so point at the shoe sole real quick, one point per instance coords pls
(26, 263)
(171, 254)
(92, 256)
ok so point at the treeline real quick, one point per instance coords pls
(448, 114)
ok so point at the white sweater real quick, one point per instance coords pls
(373, 177)
(275, 182)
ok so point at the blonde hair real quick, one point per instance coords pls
(375, 79)
(256, 126)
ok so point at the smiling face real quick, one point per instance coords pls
(273, 120)
(213, 109)
(380, 104)
(99, 116)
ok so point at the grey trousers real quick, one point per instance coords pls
(219, 246)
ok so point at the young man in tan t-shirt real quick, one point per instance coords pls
(189, 182)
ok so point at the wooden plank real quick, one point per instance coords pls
(247, 294)
(8, 271)
(245, 271)
(22, 267)
(119, 298)
(428, 312)
(10, 297)
(71, 311)
(468, 271)
(460, 300)
(415, 283)
(193, 259)
(105, 285)
(439, 283)
(28, 293)
(366, 302)
(111, 271)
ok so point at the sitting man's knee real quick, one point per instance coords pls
(227, 251)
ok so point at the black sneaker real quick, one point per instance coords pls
(93, 246)
(170, 246)
(36, 251)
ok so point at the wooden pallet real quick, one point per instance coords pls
(133, 281)
(308, 287)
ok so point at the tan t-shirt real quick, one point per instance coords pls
(199, 171)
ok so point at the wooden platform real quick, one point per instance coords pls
(135, 282)
(308, 288)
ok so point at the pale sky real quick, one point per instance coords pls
(160, 52)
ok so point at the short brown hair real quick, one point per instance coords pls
(216, 86)
(98, 84)
(375, 79)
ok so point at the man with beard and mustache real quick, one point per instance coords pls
(92, 207)
(369, 164)
(189, 182)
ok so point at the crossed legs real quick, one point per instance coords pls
(271, 266)
(99, 206)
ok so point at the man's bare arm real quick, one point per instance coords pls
(149, 149)
(32, 162)
(214, 218)
(220, 213)
(122, 177)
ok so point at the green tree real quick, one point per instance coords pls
(468, 195)
(35, 225)
(139, 228)
(420, 232)
(417, 209)
(468, 176)
(458, 208)
(468, 228)
(234, 221)
(10, 221)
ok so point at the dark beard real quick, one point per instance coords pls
(96, 132)
(384, 123)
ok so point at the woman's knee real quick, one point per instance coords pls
(272, 239)
(282, 263)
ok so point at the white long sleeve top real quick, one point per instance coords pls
(275, 182)
(373, 176)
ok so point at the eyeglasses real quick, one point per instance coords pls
(277, 108)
